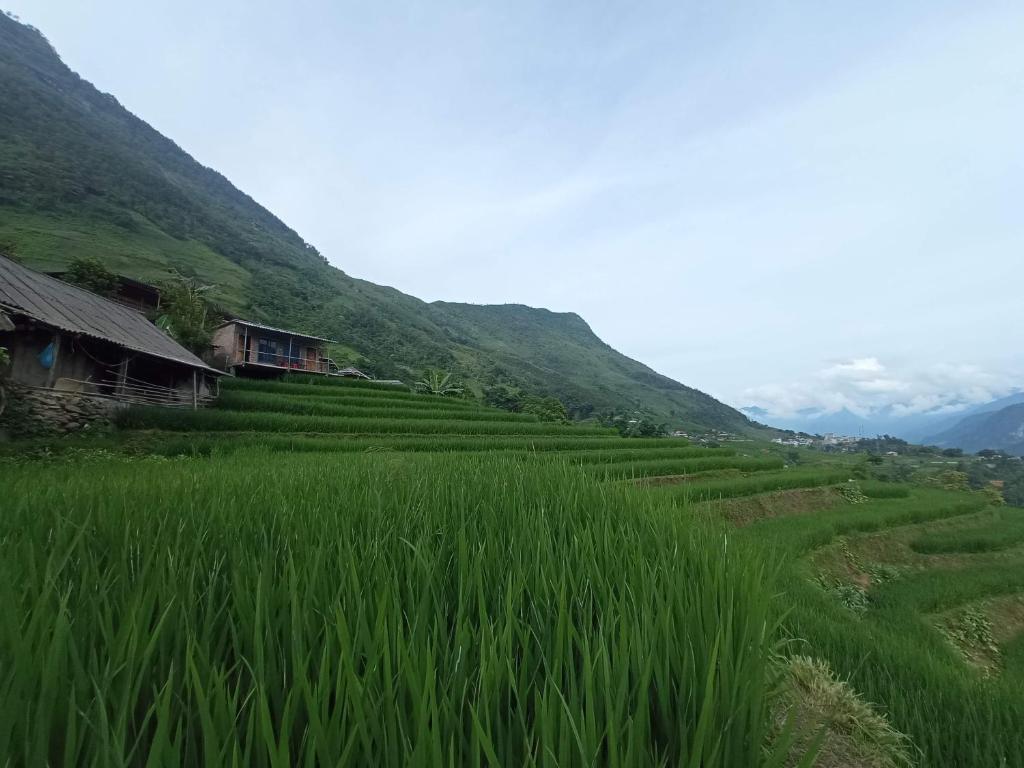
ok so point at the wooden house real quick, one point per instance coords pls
(130, 292)
(252, 349)
(66, 339)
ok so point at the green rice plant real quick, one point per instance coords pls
(625, 450)
(212, 420)
(1003, 529)
(1013, 659)
(680, 466)
(169, 443)
(347, 394)
(269, 610)
(933, 591)
(342, 382)
(800, 534)
(378, 405)
(874, 489)
(750, 486)
(267, 403)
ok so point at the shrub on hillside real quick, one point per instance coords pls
(90, 274)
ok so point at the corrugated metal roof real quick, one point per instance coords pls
(352, 372)
(76, 310)
(250, 324)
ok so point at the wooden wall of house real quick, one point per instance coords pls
(224, 344)
(26, 344)
(228, 347)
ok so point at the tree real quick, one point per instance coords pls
(90, 274)
(186, 313)
(505, 397)
(994, 494)
(545, 408)
(9, 248)
(648, 428)
(438, 382)
(951, 480)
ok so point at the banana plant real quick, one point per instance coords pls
(438, 383)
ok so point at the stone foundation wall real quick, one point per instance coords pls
(33, 412)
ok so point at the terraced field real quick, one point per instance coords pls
(917, 597)
(333, 416)
(328, 572)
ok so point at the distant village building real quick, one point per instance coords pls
(76, 356)
(253, 349)
(794, 442)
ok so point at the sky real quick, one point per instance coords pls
(794, 205)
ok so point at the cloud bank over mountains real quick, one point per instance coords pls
(868, 393)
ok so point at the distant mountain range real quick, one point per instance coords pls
(80, 176)
(1000, 428)
(938, 427)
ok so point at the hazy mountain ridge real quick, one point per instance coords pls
(922, 427)
(1001, 429)
(81, 176)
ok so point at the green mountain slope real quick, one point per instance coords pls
(81, 176)
(1000, 430)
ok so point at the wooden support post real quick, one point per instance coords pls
(195, 389)
(122, 376)
(289, 365)
(51, 375)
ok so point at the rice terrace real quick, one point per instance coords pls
(259, 510)
(417, 580)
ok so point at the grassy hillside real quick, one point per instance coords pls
(81, 176)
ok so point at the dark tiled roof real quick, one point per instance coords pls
(260, 326)
(76, 310)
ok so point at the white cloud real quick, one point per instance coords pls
(866, 386)
(863, 365)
